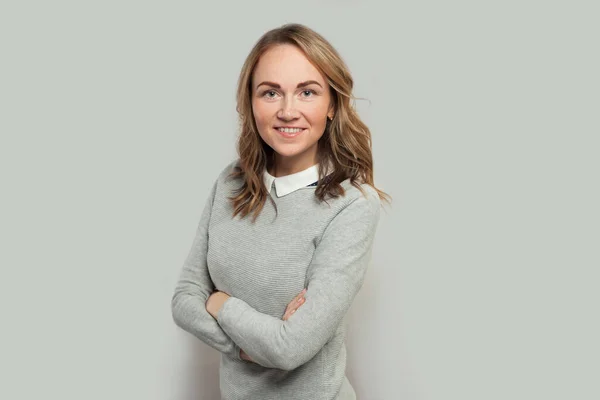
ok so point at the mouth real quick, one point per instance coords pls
(286, 131)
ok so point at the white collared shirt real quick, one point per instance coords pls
(289, 183)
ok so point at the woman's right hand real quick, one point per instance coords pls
(294, 305)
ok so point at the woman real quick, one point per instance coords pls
(268, 284)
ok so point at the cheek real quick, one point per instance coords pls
(316, 114)
(262, 114)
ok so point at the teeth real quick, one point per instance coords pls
(289, 130)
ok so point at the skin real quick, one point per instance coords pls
(287, 90)
(277, 100)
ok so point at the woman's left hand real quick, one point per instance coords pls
(215, 301)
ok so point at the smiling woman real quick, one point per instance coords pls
(271, 292)
(289, 102)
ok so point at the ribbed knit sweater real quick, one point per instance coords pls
(322, 246)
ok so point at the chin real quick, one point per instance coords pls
(284, 153)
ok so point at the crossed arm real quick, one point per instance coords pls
(334, 277)
(193, 303)
(194, 288)
(217, 299)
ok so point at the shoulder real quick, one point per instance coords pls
(227, 169)
(363, 193)
(362, 200)
(356, 213)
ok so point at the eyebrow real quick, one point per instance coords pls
(278, 86)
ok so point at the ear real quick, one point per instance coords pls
(331, 112)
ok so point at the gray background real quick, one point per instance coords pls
(117, 116)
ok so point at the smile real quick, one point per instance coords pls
(290, 132)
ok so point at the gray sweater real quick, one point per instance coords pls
(325, 248)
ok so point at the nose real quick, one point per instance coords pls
(288, 110)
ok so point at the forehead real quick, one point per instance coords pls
(287, 65)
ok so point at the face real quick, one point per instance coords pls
(291, 103)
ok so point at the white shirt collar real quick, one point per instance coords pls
(290, 183)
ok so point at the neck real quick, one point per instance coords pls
(287, 166)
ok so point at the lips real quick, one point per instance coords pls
(289, 132)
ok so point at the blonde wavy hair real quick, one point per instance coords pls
(346, 141)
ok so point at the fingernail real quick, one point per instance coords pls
(293, 311)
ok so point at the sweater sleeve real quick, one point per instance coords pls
(334, 277)
(188, 304)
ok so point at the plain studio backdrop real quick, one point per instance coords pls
(117, 116)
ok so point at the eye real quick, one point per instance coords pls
(269, 94)
(309, 92)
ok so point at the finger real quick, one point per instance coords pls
(288, 315)
(294, 301)
(301, 294)
(292, 310)
(294, 304)
(298, 297)
(298, 302)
